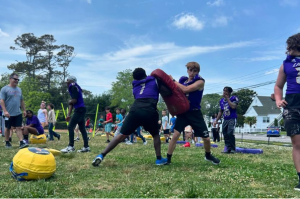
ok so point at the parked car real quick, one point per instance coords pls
(273, 131)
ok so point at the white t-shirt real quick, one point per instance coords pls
(164, 120)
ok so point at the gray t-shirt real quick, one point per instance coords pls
(164, 120)
(12, 98)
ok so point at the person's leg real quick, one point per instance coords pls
(217, 135)
(225, 134)
(31, 130)
(231, 136)
(50, 129)
(74, 120)
(296, 156)
(138, 130)
(83, 132)
(129, 125)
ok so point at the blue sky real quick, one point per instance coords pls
(238, 43)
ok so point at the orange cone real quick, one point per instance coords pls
(91, 130)
(187, 144)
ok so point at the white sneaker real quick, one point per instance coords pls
(128, 142)
(84, 149)
(68, 149)
(145, 143)
(193, 142)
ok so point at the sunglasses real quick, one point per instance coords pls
(193, 70)
(16, 79)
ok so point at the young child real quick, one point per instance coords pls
(108, 123)
(165, 125)
(100, 124)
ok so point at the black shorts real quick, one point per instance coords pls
(148, 118)
(167, 131)
(196, 120)
(15, 121)
(292, 121)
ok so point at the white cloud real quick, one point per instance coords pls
(3, 34)
(220, 21)
(215, 3)
(150, 56)
(262, 58)
(188, 21)
(89, 1)
(272, 71)
(289, 2)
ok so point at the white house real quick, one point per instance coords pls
(265, 111)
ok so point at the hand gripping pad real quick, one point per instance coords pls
(174, 98)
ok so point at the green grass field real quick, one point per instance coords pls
(129, 171)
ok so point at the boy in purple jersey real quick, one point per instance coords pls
(228, 106)
(77, 103)
(142, 113)
(289, 73)
(193, 87)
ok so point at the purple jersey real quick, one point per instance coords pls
(145, 88)
(291, 67)
(194, 97)
(228, 112)
(79, 102)
(36, 124)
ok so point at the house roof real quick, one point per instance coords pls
(269, 106)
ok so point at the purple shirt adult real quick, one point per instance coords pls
(228, 112)
(76, 93)
(36, 124)
(194, 97)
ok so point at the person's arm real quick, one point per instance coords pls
(5, 113)
(166, 123)
(73, 101)
(198, 85)
(46, 115)
(278, 88)
(230, 103)
(23, 107)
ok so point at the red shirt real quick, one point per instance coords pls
(109, 117)
(87, 122)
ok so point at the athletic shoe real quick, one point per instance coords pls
(8, 145)
(226, 151)
(58, 137)
(162, 161)
(97, 160)
(77, 139)
(232, 151)
(297, 188)
(23, 145)
(145, 143)
(212, 159)
(84, 149)
(107, 141)
(128, 142)
(68, 149)
(89, 138)
(25, 141)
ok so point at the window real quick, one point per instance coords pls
(266, 120)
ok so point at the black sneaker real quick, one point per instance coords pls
(23, 145)
(77, 139)
(212, 159)
(297, 188)
(107, 141)
(58, 137)
(8, 145)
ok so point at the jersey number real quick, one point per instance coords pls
(298, 75)
(143, 88)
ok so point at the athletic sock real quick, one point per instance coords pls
(26, 137)
(169, 157)
(158, 157)
(103, 154)
(7, 142)
(299, 176)
(207, 154)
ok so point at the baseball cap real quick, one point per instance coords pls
(72, 78)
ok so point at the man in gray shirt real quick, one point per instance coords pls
(11, 101)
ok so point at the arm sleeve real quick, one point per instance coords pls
(74, 92)
(2, 94)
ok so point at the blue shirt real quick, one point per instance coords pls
(119, 118)
(173, 120)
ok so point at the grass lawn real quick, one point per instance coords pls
(129, 171)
